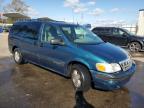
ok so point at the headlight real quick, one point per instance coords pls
(108, 68)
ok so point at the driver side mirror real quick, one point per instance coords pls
(56, 42)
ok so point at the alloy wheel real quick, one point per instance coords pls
(17, 56)
(76, 78)
(134, 47)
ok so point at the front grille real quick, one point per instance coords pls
(126, 64)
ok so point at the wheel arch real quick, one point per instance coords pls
(141, 44)
(13, 48)
(80, 63)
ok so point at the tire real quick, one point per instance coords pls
(80, 77)
(135, 47)
(18, 56)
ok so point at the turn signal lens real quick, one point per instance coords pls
(101, 67)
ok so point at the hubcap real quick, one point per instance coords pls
(17, 56)
(134, 47)
(76, 78)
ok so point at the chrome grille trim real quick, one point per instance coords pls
(126, 64)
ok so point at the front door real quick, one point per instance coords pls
(118, 37)
(52, 56)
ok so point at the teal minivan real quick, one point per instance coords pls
(73, 51)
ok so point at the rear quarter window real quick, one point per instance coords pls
(33, 30)
(108, 31)
(14, 29)
(98, 30)
(29, 30)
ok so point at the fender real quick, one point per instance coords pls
(77, 60)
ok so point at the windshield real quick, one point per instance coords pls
(80, 35)
(130, 33)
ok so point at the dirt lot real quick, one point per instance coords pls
(29, 86)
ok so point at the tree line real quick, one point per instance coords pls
(14, 6)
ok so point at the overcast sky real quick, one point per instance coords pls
(87, 11)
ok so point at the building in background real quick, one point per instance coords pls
(140, 30)
(3, 19)
(1, 15)
(7, 20)
(12, 17)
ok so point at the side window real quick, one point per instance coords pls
(107, 31)
(31, 30)
(31, 33)
(98, 30)
(23, 31)
(50, 32)
(15, 29)
(121, 32)
(67, 31)
(117, 32)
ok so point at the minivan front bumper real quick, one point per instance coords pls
(113, 81)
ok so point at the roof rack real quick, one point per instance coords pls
(25, 20)
(40, 20)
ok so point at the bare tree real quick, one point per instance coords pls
(17, 6)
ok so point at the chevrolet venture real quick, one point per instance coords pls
(121, 37)
(73, 51)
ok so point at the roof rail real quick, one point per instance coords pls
(25, 20)
(40, 20)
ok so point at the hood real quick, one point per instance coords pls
(106, 51)
(138, 37)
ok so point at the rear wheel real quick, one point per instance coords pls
(80, 78)
(135, 47)
(18, 56)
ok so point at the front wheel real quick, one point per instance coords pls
(80, 77)
(134, 47)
